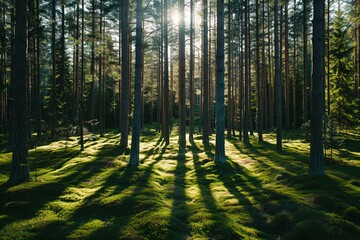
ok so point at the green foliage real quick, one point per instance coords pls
(341, 74)
(305, 130)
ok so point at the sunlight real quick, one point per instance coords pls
(174, 17)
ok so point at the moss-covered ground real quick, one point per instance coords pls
(257, 194)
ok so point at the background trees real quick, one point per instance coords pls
(85, 74)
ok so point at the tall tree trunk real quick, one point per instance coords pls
(192, 91)
(305, 114)
(220, 85)
(246, 97)
(92, 68)
(229, 113)
(62, 65)
(101, 80)
(182, 102)
(264, 105)
(53, 119)
(316, 165)
(38, 79)
(166, 76)
(82, 82)
(205, 110)
(241, 79)
(287, 80)
(277, 82)
(19, 166)
(271, 74)
(258, 80)
(295, 70)
(135, 140)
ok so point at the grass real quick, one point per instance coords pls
(257, 194)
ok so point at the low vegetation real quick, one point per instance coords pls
(257, 194)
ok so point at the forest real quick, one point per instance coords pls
(180, 119)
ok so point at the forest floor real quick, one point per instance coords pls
(257, 194)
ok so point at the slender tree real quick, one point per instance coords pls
(220, 86)
(182, 102)
(258, 80)
(316, 165)
(229, 90)
(82, 82)
(277, 81)
(305, 75)
(205, 110)
(191, 78)
(124, 126)
(53, 118)
(166, 76)
(135, 140)
(246, 95)
(19, 166)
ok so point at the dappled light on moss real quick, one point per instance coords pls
(257, 194)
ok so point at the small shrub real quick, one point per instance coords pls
(305, 130)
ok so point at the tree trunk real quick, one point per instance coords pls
(229, 113)
(19, 167)
(246, 97)
(101, 80)
(192, 91)
(258, 80)
(316, 165)
(295, 70)
(220, 86)
(305, 115)
(287, 80)
(166, 76)
(205, 110)
(277, 82)
(135, 140)
(53, 119)
(182, 102)
(82, 82)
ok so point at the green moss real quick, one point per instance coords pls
(257, 194)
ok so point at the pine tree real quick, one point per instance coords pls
(316, 165)
(341, 71)
(19, 166)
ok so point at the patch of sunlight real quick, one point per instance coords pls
(87, 229)
(26, 229)
(111, 197)
(66, 204)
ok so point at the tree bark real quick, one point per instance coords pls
(246, 96)
(316, 165)
(205, 110)
(135, 140)
(305, 115)
(19, 167)
(182, 102)
(192, 91)
(166, 76)
(220, 86)
(277, 82)
(229, 90)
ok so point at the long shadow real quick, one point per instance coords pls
(25, 203)
(179, 212)
(120, 211)
(221, 222)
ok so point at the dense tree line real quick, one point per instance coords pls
(70, 67)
